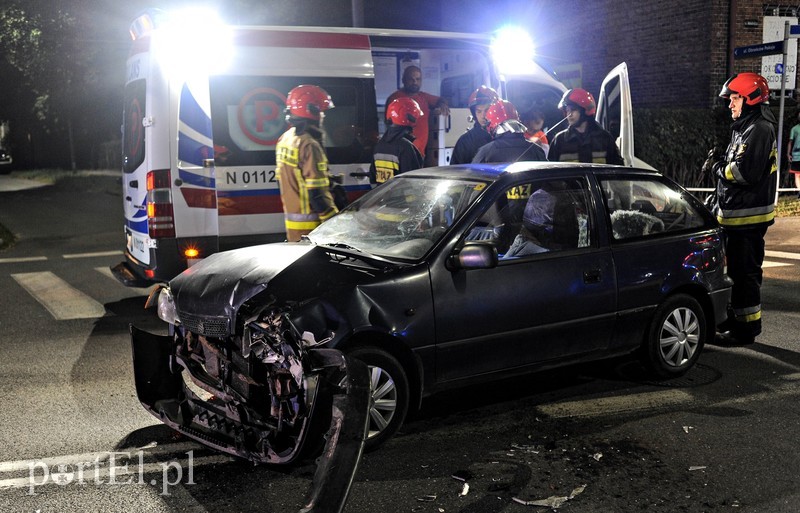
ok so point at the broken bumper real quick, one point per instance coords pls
(337, 415)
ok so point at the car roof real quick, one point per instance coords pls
(494, 172)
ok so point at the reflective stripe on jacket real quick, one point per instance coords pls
(302, 173)
(595, 145)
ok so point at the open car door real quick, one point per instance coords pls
(615, 113)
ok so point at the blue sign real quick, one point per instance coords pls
(760, 50)
(779, 68)
(794, 30)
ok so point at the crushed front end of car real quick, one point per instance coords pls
(262, 391)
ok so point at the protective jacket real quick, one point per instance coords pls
(509, 147)
(746, 181)
(594, 145)
(302, 173)
(468, 145)
(395, 153)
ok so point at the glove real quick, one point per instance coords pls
(714, 156)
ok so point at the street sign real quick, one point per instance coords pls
(779, 68)
(759, 50)
(794, 30)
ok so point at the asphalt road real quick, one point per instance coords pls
(74, 437)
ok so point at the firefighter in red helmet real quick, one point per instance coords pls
(584, 140)
(744, 200)
(470, 141)
(302, 167)
(395, 152)
(508, 137)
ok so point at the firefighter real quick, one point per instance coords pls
(302, 167)
(395, 152)
(470, 141)
(744, 203)
(508, 137)
(584, 140)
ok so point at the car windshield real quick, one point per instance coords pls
(402, 218)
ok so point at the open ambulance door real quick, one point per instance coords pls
(615, 111)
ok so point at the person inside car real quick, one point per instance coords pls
(537, 226)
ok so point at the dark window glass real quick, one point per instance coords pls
(132, 128)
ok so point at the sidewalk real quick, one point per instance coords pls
(784, 235)
(10, 184)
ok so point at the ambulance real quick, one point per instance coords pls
(204, 106)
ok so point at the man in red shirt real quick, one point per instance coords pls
(412, 82)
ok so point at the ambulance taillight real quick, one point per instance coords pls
(160, 218)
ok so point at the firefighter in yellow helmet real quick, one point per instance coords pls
(302, 169)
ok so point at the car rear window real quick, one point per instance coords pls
(645, 207)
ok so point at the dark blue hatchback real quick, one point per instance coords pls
(447, 276)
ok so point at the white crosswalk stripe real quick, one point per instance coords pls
(59, 298)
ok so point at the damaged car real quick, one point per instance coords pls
(439, 278)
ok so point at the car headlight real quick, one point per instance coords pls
(166, 307)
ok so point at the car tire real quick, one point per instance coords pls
(390, 394)
(675, 338)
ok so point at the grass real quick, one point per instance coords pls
(788, 206)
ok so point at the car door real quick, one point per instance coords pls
(537, 306)
(615, 111)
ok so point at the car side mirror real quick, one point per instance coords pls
(474, 256)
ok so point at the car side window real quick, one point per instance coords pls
(537, 217)
(646, 207)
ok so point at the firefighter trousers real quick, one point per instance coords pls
(745, 252)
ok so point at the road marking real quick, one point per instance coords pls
(105, 271)
(610, 405)
(774, 264)
(59, 298)
(783, 254)
(118, 467)
(95, 254)
(22, 259)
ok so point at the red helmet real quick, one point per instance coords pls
(578, 98)
(403, 111)
(752, 86)
(500, 112)
(307, 101)
(484, 95)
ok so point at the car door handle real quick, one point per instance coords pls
(591, 276)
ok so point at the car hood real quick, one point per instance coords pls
(219, 285)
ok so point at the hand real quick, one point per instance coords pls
(712, 158)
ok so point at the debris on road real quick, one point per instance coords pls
(554, 501)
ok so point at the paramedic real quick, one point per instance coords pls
(302, 167)
(395, 153)
(412, 82)
(508, 137)
(744, 204)
(534, 122)
(584, 140)
(470, 141)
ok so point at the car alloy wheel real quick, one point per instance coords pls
(390, 394)
(676, 337)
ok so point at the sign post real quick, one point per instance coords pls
(789, 32)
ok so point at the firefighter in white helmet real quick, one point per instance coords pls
(302, 167)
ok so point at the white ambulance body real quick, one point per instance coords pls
(199, 146)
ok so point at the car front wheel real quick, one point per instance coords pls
(675, 337)
(390, 394)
